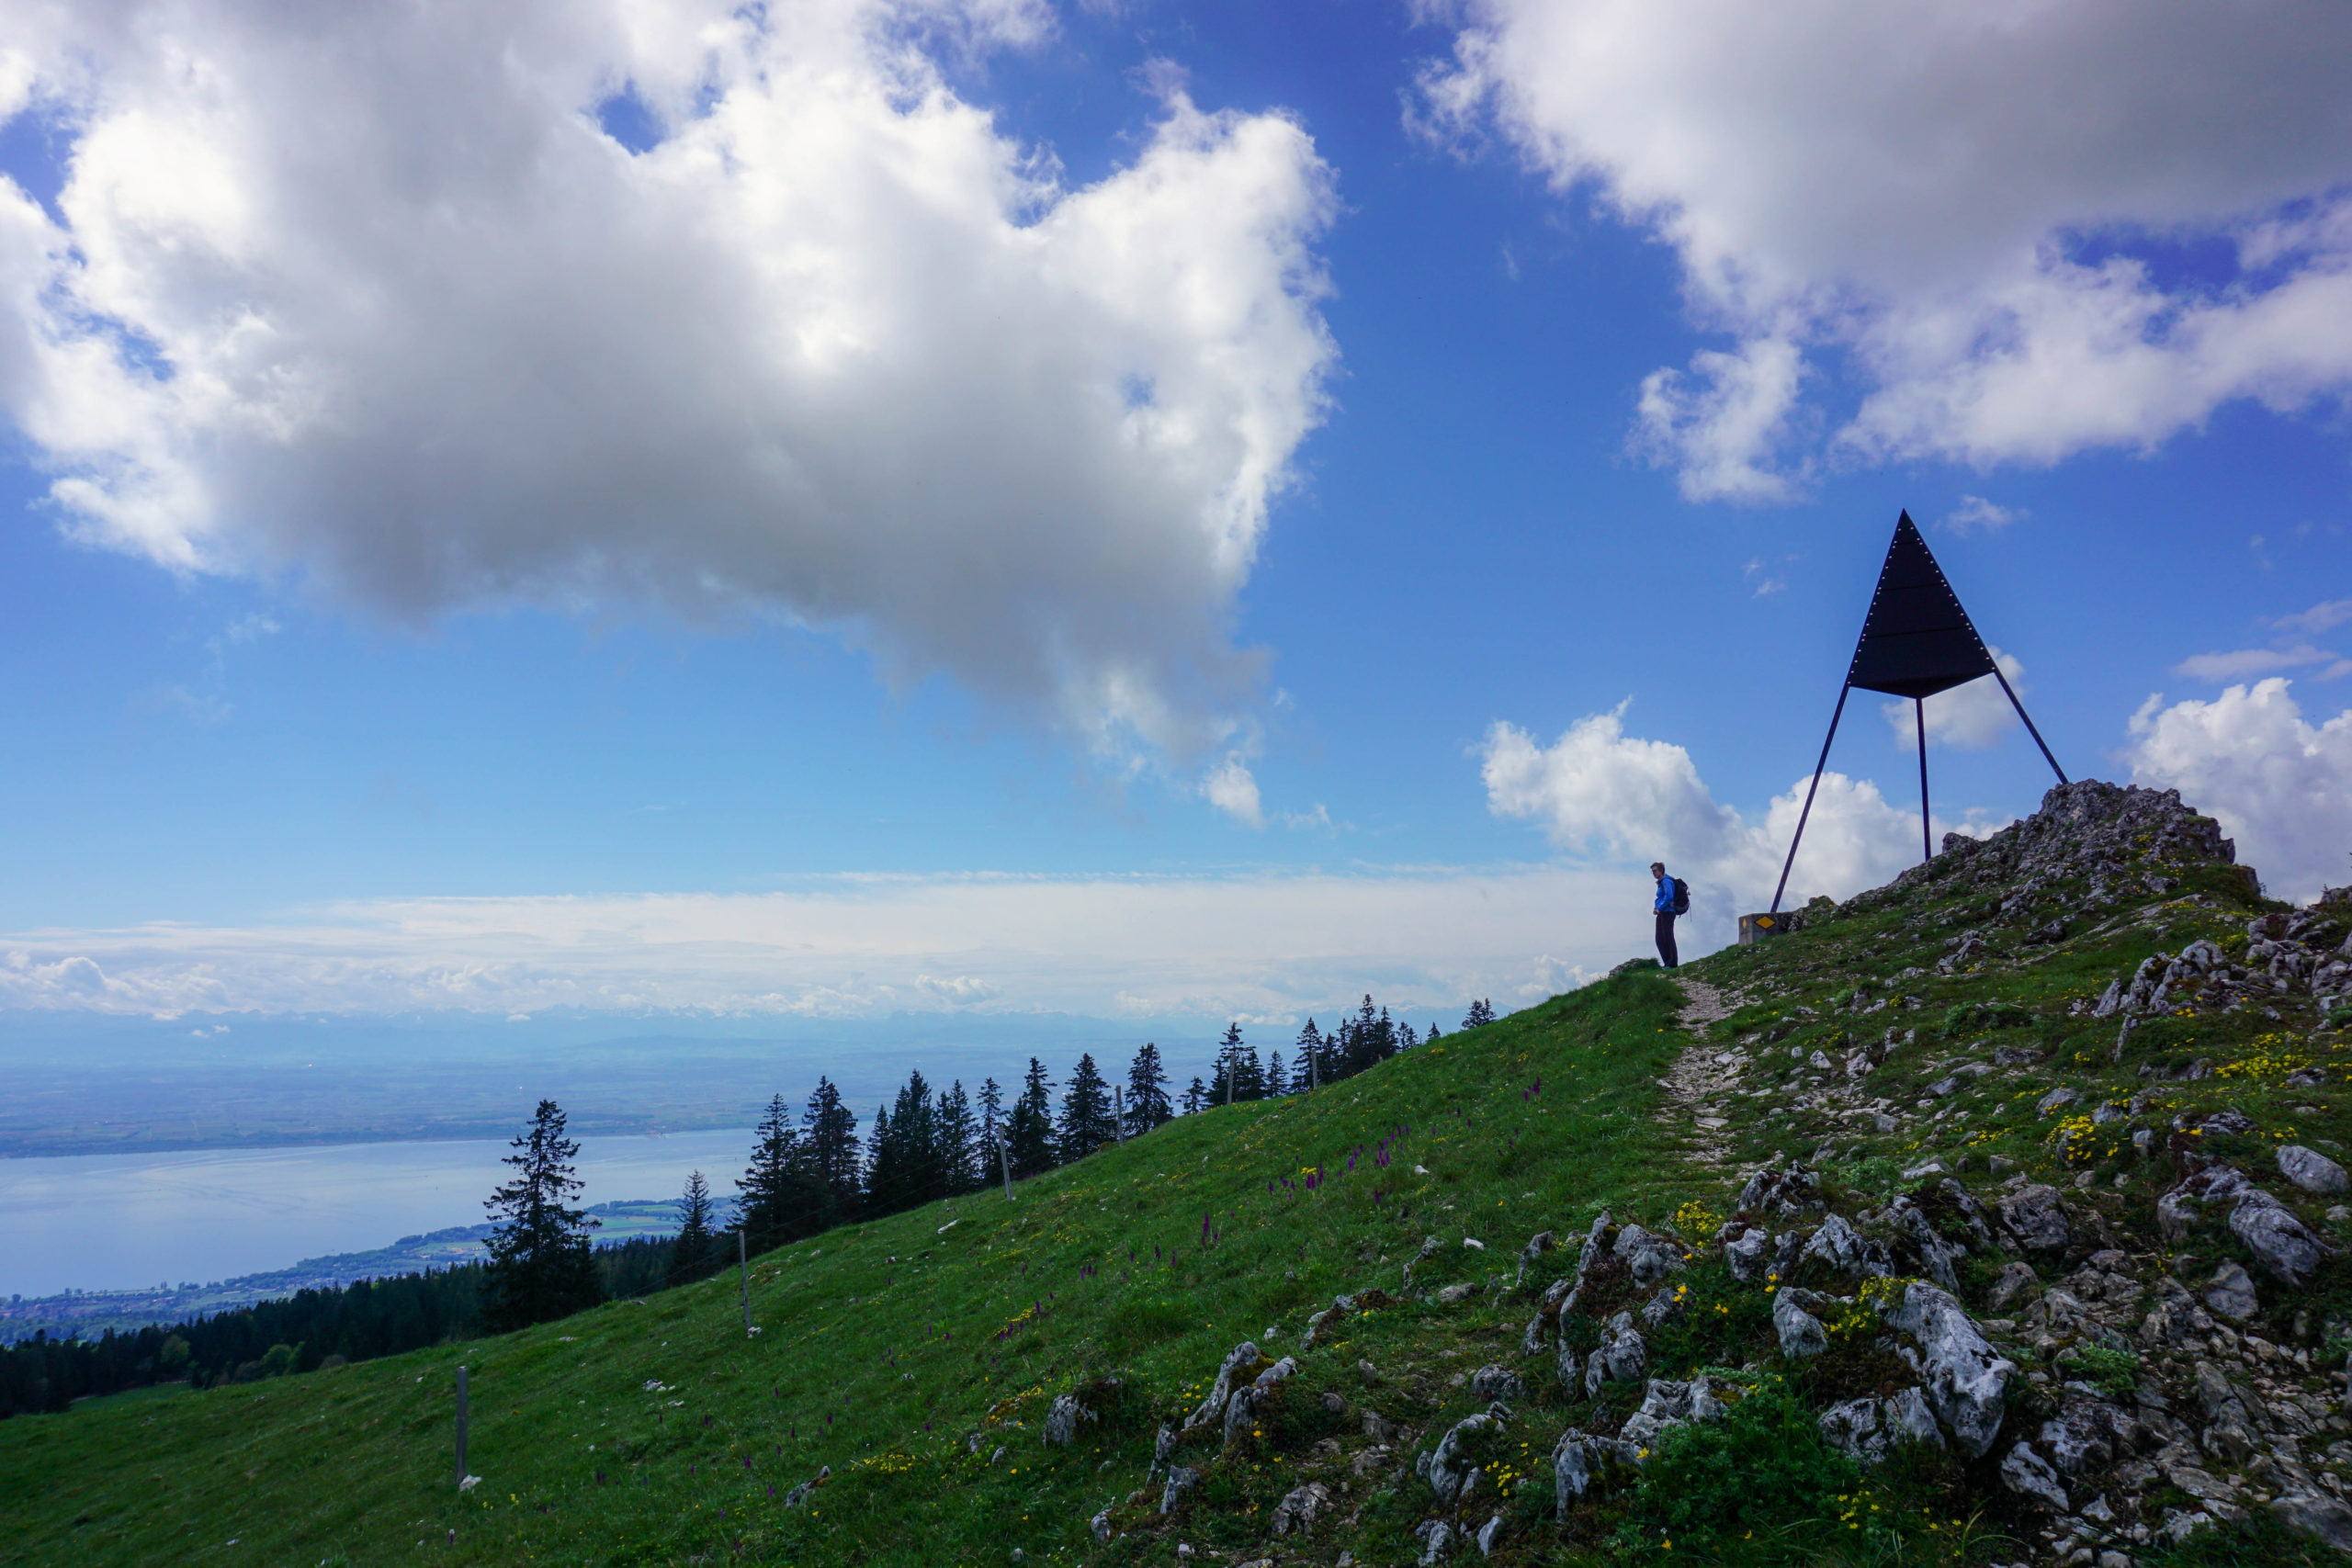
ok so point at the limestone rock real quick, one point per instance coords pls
(1101, 1525)
(1748, 1251)
(1623, 1355)
(2316, 1517)
(1062, 1419)
(1669, 1403)
(2028, 1475)
(2014, 1281)
(2231, 1293)
(1581, 1462)
(1244, 1363)
(1454, 1295)
(1966, 1380)
(1844, 1250)
(1792, 1191)
(1299, 1511)
(2036, 1217)
(1489, 1533)
(2312, 1171)
(2279, 1241)
(1493, 1383)
(1648, 1256)
(1866, 1429)
(1802, 1334)
(1448, 1469)
(1437, 1540)
(1181, 1479)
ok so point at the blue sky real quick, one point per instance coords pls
(274, 752)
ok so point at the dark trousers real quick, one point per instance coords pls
(1665, 954)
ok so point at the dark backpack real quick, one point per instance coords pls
(1682, 896)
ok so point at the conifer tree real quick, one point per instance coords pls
(991, 1103)
(1432, 1036)
(958, 1143)
(1086, 1123)
(540, 1264)
(1228, 1084)
(776, 1199)
(1481, 1012)
(694, 1251)
(906, 1169)
(1029, 1125)
(1196, 1098)
(1147, 1104)
(836, 1171)
(1406, 1038)
(1312, 1065)
(1277, 1077)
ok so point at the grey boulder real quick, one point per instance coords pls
(1581, 1462)
(1966, 1380)
(1801, 1333)
(2316, 1518)
(2035, 1215)
(1670, 1403)
(1492, 1383)
(2230, 1293)
(1623, 1355)
(1299, 1511)
(2312, 1171)
(1062, 1419)
(2028, 1475)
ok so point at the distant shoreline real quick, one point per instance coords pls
(69, 1147)
(90, 1312)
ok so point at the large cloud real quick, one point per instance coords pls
(2281, 786)
(1268, 947)
(366, 291)
(2036, 226)
(1612, 797)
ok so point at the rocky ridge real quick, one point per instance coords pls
(2110, 1310)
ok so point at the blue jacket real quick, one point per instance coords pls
(1664, 903)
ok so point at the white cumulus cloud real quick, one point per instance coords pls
(1978, 208)
(1969, 717)
(2280, 786)
(1612, 796)
(366, 293)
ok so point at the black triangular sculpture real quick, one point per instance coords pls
(1915, 642)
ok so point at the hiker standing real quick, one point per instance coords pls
(1673, 899)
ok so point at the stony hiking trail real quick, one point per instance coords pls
(1702, 1076)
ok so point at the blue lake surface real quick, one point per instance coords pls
(121, 1222)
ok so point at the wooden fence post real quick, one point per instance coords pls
(461, 1428)
(743, 1276)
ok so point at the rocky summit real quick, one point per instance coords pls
(1997, 1216)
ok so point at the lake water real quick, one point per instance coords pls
(120, 1221)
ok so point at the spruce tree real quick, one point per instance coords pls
(776, 1200)
(835, 1172)
(958, 1143)
(1277, 1077)
(1309, 1067)
(1086, 1124)
(540, 1264)
(1196, 1098)
(1228, 1086)
(1432, 1036)
(694, 1251)
(1029, 1125)
(1147, 1104)
(1481, 1012)
(906, 1170)
(991, 1103)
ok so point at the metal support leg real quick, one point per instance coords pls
(1919, 720)
(2030, 730)
(1799, 839)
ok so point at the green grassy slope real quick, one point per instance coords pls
(884, 1346)
(916, 1358)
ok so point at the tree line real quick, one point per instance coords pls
(808, 1172)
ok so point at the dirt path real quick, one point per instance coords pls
(1702, 1076)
